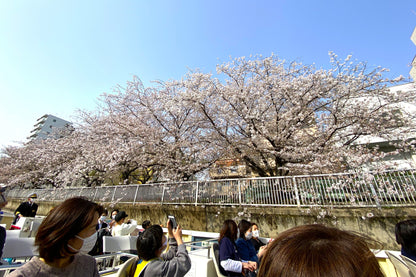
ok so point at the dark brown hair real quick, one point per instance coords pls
(229, 230)
(316, 250)
(62, 224)
(243, 226)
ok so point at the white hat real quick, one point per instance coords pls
(33, 195)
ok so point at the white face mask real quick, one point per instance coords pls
(103, 218)
(249, 235)
(256, 233)
(113, 216)
(87, 243)
(31, 200)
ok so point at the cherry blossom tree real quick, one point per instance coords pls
(279, 117)
(175, 140)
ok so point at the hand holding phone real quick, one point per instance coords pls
(172, 221)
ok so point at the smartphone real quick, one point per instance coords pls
(172, 221)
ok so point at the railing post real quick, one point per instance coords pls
(196, 193)
(135, 195)
(373, 191)
(114, 192)
(163, 195)
(95, 194)
(239, 192)
(296, 191)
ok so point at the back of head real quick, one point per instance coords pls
(243, 227)
(120, 216)
(146, 224)
(406, 235)
(149, 242)
(316, 250)
(229, 230)
(61, 224)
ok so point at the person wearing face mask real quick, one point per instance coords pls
(257, 243)
(244, 247)
(63, 239)
(113, 218)
(231, 264)
(102, 221)
(151, 262)
(27, 208)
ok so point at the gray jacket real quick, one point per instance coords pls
(174, 263)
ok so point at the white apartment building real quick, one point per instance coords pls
(402, 160)
(49, 126)
(413, 70)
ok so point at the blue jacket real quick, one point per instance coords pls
(246, 250)
(228, 251)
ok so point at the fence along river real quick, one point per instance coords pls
(368, 189)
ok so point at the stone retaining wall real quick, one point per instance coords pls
(375, 223)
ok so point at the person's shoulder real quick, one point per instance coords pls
(30, 268)
(240, 241)
(226, 241)
(84, 259)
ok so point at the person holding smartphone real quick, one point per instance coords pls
(150, 246)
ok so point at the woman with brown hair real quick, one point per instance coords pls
(316, 250)
(64, 237)
(230, 261)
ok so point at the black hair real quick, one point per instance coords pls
(243, 226)
(406, 235)
(149, 242)
(146, 224)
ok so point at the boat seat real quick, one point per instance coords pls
(215, 250)
(401, 267)
(119, 244)
(19, 247)
(125, 268)
(410, 263)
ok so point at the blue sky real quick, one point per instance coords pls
(60, 56)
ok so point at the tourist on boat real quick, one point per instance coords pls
(123, 227)
(3, 203)
(113, 218)
(406, 237)
(255, 240)
(245, 248)
(63, 238)
(27, 208)
(230, 261)
(316, 250)
(145, 224)
(102, 221)
(150, 246)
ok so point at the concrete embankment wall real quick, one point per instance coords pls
(375, 223)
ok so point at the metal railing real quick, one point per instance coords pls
(375, 189)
